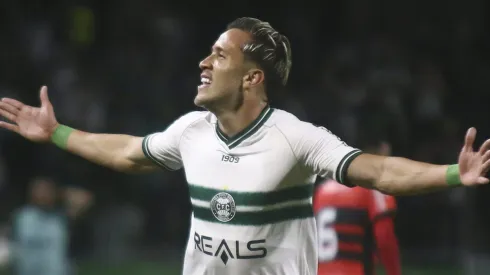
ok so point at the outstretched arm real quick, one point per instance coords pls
(396, 176)
(327, 156)
(39, 124)
(120, 152)
(401, 176)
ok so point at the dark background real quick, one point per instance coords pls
(414, 72)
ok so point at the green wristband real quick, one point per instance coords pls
(60, 136)
(452, 175)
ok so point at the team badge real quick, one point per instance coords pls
(223, 207)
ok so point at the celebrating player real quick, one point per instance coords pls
(250, 168)
(353, 224)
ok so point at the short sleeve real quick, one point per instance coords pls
(162, 148)
(381, 205)
(323, 152)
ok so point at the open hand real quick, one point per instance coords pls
(474, 165)
(34, 123)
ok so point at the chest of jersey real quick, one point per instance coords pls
(256, 183)
(261, 163)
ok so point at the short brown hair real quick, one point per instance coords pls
(268, 48)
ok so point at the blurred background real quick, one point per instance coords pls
(414, 72)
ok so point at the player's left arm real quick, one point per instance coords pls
(401, 176)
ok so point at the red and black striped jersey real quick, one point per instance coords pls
(345, 218)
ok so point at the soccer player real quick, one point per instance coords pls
(250, 168)
(354, 224)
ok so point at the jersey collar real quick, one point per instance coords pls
(251, 129)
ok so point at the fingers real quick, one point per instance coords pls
(485, 147)
(9, 126)
(469, 140)
(486, 156)
(8, 111)
(43, 94)
(17, 104)
(9, 108)
(6, 114)
(486, 166)
(482, 180)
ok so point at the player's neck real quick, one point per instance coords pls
(232, 122)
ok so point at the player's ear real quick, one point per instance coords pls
(253, 78)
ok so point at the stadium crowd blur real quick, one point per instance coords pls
(416, 73)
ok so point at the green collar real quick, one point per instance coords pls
(251, 129)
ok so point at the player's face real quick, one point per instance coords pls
(223, 72)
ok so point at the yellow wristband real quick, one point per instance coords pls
(60, 136)
(452, 175)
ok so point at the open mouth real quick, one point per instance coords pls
(205, 81)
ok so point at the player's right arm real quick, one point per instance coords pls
(324, 154)
(120, 152)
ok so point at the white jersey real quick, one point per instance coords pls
(251, 194)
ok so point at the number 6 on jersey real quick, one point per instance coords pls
(328, 244)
